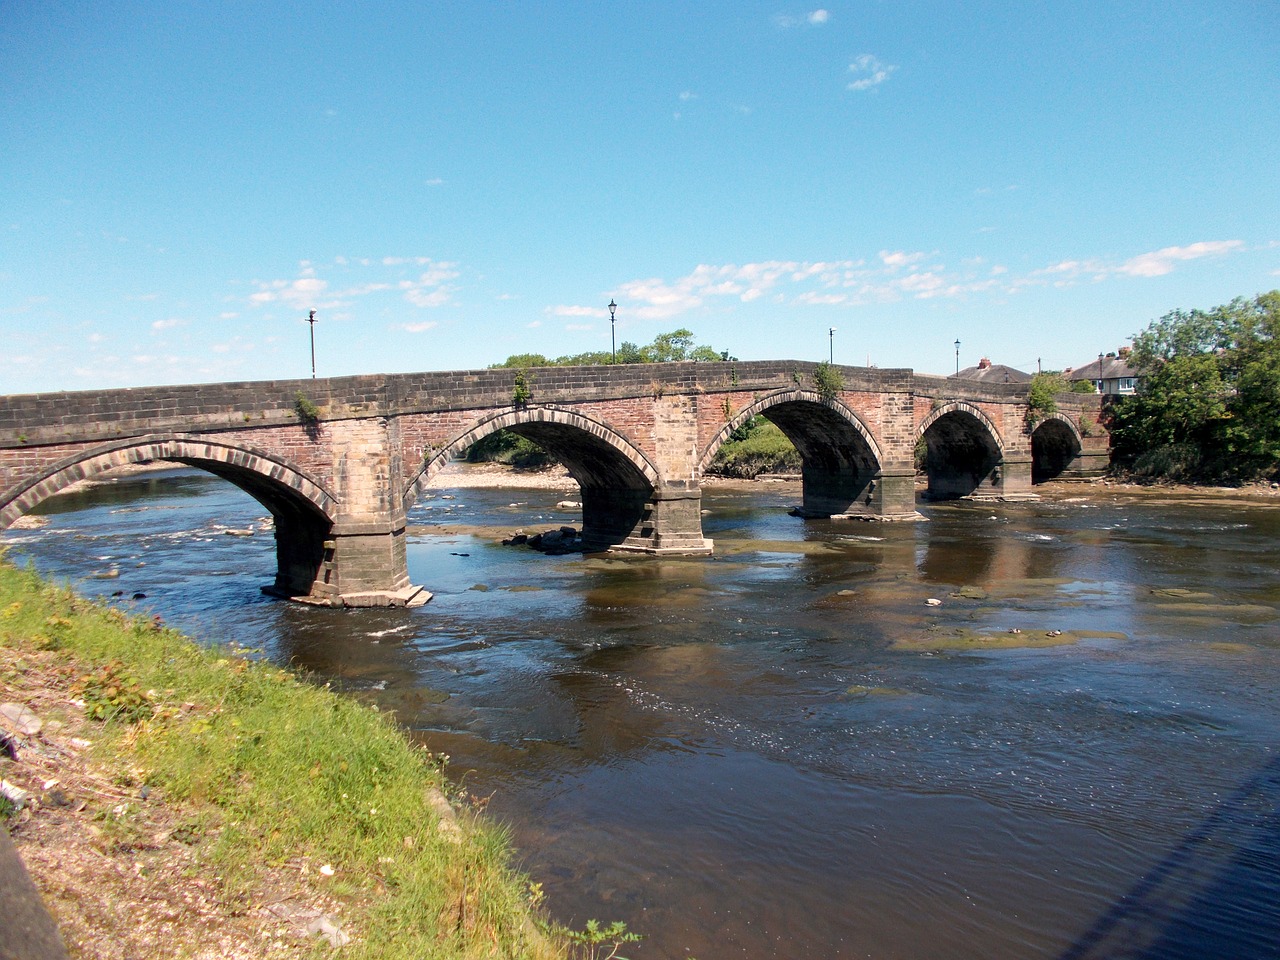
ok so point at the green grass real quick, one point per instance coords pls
(272, 771)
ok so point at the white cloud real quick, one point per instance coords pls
(425, 297)
(167, 324)
(299, 293)
(815, 18)
(430, 288)
(1156, 263)
(899, 258)
(417, 327)
(1160, 262)
(870, 72)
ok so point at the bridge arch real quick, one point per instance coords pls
(300, 505)
(619, 483)
(841, 458)
(963, 450)
(1056, 443)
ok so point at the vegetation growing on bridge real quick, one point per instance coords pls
(827, 380)
(1208, 405)
(1045, 386)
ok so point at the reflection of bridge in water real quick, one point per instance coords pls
(337, 462)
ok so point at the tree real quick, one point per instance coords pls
(665, 348)
(1210, 392)
(522, 360)
(1040, 396)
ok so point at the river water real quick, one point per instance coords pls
(786, 749)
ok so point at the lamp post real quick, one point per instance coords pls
(613, 328)
(312, 320)
(957, 357)
(831, 353)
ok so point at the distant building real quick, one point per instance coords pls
(1109, 374)
(989, 372)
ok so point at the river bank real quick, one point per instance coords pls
(174, 801)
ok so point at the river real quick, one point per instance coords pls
(788, 749)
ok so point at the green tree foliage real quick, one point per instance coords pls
(503, 446)
(1040, 396)
(756, 447)
(1209, 402)
(665, 348)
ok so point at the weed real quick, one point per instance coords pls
(595, 942)
(828, 380)
(522, 392)
(110, 693)
(308, 414)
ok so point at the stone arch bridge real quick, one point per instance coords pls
(338, 462)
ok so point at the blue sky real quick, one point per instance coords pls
(447, 184)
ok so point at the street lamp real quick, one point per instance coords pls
(613, 328)
(957, 357)
(312, 320)
(831, 355)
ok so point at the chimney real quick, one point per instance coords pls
(984, 363)
(1125, 351)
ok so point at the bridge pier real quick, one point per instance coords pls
(888, 494)
(894, 497)
(1014, 480)
(670, 525)
(362, 561)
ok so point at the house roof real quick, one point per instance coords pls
(988, 372)
(1106, 368)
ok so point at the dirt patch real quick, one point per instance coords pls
(118, 865)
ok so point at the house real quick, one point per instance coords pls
(1110, 374)
(988, 372)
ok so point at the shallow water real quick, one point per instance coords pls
(784, 750)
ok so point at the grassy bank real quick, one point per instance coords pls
(267, 786)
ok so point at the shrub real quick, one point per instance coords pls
(827, 380)
(756, 447)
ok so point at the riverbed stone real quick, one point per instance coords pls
(19, 719)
